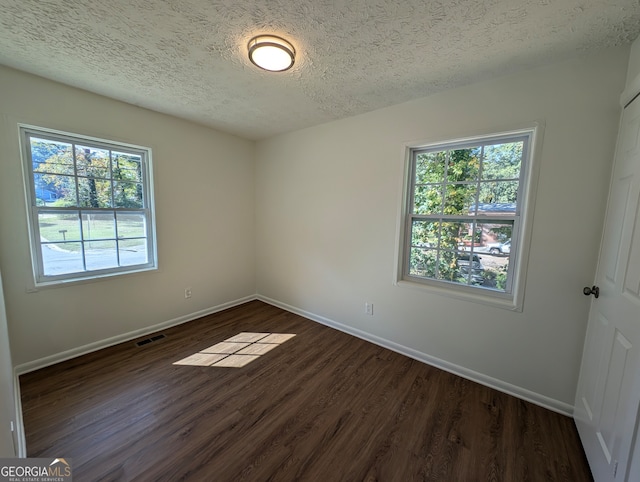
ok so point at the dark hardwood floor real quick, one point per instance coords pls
(323, 406)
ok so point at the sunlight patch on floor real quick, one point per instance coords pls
(237, 351)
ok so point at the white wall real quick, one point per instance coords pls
(7, 405)
(327, 202)
(204, 193)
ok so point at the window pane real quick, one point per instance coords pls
(447, 267)
(127, 167)
(434, 234)
(459, 199)
(92, 162)
(98, 226)
(455, 235)
(428, 200)
(450, 251)
(502, 161)
(469, 269)
(61, 258)
(464, 165)
(127, 195)
(51, 156)
(505, 192)
(131, 226)
(496, 253)
(469, 235)
(425, 233)
(100, 255)
(494, 234)
(423, 262)
(55, 190)
(133, 251)
(430, 167)
(94, 193)
(59, 227)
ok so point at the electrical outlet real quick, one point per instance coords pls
(368, 309)
(187, 293)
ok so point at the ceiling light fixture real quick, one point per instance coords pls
(271, 53)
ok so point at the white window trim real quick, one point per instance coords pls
(39, 279)
(511, 301)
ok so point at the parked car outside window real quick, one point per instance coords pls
(499, 248)
(477, 270)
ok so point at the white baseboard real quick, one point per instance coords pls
(98, 345)
(500, 385)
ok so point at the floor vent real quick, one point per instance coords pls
(149, 340)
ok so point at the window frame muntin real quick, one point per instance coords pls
(26, 133)
(521, 234)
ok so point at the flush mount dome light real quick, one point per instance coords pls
(271, 53)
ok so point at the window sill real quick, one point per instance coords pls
(474, 295)
(37, 286)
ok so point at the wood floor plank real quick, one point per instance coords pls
(323, 405)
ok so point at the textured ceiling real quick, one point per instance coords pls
(188, 57)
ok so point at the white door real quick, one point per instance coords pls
(606, 406)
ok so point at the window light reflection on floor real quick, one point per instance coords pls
(237, 351)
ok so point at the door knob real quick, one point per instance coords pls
(594, 290)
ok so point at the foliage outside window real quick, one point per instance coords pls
(90, 209)
(464, 212)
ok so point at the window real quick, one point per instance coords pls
(463, 214)
(90, 206)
